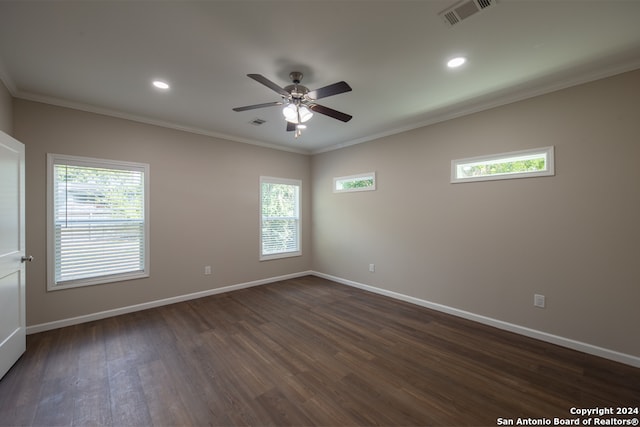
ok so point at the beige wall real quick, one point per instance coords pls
(483, 247)
(487, 247)
(6, 110)
(204, 207)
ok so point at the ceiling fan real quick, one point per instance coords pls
(299, 101)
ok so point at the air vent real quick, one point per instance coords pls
(462, 10)
(257, 122)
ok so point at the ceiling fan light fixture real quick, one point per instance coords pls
(292, 112)
(298, 102)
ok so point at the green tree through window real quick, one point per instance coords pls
(516, 164)
(533, 165)
(98, 213)
(280, 211)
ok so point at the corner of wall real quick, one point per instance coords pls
(6, 109)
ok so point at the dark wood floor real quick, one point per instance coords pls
(300, 352)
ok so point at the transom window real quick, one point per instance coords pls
(516, 164)
(360, 182)
(97, 221)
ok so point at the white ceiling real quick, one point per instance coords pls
(102, 55)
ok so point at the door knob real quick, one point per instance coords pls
(27, 258)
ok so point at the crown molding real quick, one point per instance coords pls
(28, 96)
(555, 83)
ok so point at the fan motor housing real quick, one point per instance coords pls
(297, 91)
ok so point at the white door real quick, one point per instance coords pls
(12, 253)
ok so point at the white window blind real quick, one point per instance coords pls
(98, 220)
(280, 218)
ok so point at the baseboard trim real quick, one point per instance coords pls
(521, 330)
(42, 327)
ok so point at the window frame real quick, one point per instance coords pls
(364, 176)
(288, 254)
(62, 159)
(549, 170)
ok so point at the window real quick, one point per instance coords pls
(280, 218)
(360, 182)
(517, 164)
(97, 218)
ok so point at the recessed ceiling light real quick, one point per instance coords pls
(161, 85)
(456, 62)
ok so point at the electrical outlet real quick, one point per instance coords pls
(207, 270)
(372, 268)
(538, 300)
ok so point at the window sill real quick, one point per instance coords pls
(280, 256)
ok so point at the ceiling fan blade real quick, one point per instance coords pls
(268, 83)
(253, 107)
(330, 112)
(330, 90)
(291, 127)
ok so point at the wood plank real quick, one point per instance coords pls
(92, 405)
(304, 351)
